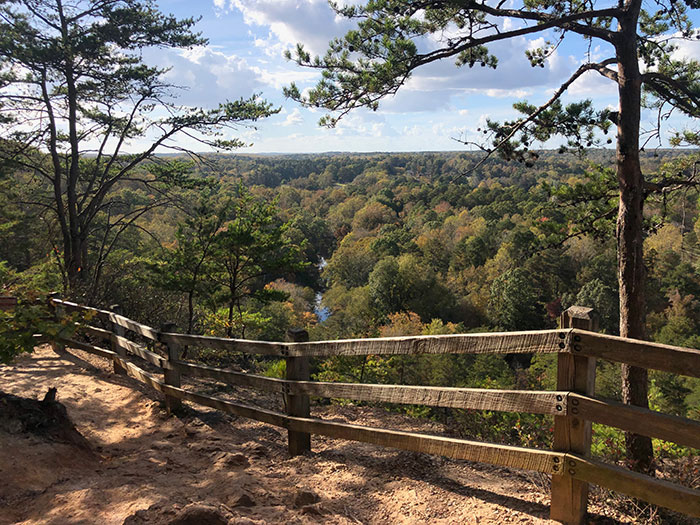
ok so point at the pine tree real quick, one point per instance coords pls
(75, 95)
(377, 58)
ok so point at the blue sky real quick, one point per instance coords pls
(247, 39)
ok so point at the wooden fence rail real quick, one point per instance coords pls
(574, 405)
(7, 303)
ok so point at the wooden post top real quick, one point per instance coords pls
(580, 317)
(297, 335)
(168, 327)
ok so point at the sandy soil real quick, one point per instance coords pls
(147, 466)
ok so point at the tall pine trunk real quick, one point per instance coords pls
(74, 261)
(631, 271)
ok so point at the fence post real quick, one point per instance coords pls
(57, 314)
(171, 374)
(575, 373)
(117, 331)
(298, 405)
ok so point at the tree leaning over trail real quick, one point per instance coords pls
(76, 96)
(390, 42)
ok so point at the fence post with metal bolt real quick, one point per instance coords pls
(575, 373)
(298, 404)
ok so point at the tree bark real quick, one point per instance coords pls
(75, 255)
(631, 270)
(190, 311)
(229, 328)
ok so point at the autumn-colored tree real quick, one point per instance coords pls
(393, 38)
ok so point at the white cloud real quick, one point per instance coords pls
(209, 76)
(513, 72)
(445, 130)
(509, 25)
(413, 131)
(593, 85)
(279, 77)
(457, 95)
(507, 93)
(311, 22)
(363, 124)
(686, 49)
(294, 118)
(433, 86)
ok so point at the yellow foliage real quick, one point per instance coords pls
(402, 323)
(500, 264)
(668, 238)
(582, 248)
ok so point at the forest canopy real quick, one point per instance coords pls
(396, 244)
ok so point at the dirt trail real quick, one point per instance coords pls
(148, 466)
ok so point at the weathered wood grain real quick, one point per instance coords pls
(140, 374)
(651, 490)
(237, 409)
(138, 328)
(297, 404)
(171, 375)
(259, 414)
(572, 433)
(220, 343)
(101, 333)
(57, 312)
(516, 457)
(532, 402)
(507, 456)
(540, 341)
(116, 318)
(117, 333)
(91, 349)
(657, 356)
(140, 351)
(638, 420)
(230, 377)
(73, 307)
(575, 373)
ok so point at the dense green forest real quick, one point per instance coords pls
(383, 237)
(367, 245)
(105, 200)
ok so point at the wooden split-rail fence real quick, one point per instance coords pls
(573, 404)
